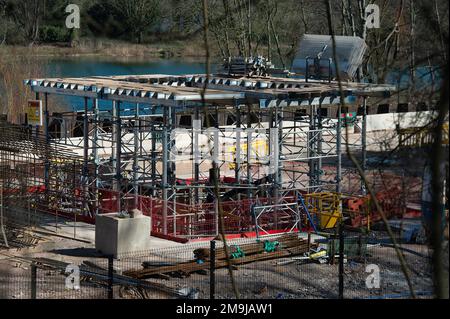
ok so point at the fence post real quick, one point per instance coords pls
(309, 241)
(110, 276)
(341, 261)
(332, 241)
(212, 269)
(33, 281)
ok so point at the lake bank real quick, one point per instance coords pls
(19, 64)
(192, 49)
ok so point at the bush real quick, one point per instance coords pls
(52, 34)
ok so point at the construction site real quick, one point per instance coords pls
(142, 187)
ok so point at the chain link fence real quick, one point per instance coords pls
(286, 267)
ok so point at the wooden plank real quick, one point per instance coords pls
(290, 246)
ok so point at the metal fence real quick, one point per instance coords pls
(363, 269)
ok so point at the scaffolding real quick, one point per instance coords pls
(149, 141)
(36, 176)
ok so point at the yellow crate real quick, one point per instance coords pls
(325, 205)
(329, 220)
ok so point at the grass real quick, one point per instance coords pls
(17, 64)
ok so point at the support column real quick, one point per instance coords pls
(274, 144)
(279, 115)
(172, 162)
(216, 163)
(86, 158)
(95, 156)
(116, 151)
(136, 156)
(319, 144)
(312, 145)
(338, 149)
(237, 161)
(168, 164)
(46, 118)
(364, 145)
(164, 185)
(36, 127)
(153, 152)
(249, 150)
(196, 163)
(47, 139)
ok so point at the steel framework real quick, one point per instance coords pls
(152, 136)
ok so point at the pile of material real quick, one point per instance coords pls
(247, 66)
(285, 246)
(18, 237)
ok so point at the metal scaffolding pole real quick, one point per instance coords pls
(167, 166)
(195, 159)
(153, 152)
(136, 155)
(364, 144)
(117, 151)
(216, 140)
(47, 139)
(312, 145)
(237, 161)
(95, 155)
(249, 150)
(280, 119)
(86, 157)
(275, 147)
(338, 150)
(319, 143)
(2, 226)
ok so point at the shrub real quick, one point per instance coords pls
(52, 34)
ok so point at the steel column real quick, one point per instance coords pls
(338, 150)
(364, 144)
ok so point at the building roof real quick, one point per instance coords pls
(187, 89)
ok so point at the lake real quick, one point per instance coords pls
(86, 66)
(107, 66)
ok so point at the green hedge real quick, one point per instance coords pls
(52, 34)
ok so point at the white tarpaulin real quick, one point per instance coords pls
(350, 52)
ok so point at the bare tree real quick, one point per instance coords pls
(3, 22)
(28, 15)
(139, 15)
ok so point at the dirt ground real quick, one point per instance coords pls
(266, 279)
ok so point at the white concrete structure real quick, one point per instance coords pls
(118, 236)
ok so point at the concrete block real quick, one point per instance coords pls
(117, 236)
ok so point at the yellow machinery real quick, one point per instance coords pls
(326, 206)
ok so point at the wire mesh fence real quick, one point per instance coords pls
(379, 275)
(15, 279)
(274, 267)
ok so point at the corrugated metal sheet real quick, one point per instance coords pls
(350, 52)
